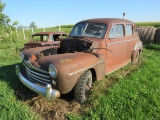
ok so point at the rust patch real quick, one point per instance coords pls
(33, 58)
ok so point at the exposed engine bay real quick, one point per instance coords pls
(64, 46)
(74, 45)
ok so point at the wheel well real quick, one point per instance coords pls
(140, 51)
(93, 74)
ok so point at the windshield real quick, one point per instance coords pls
(95, 30)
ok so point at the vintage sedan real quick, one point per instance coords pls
(95, 48)
(44, 39)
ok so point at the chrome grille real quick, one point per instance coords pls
(37, 75)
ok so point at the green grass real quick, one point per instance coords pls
(132, 92)
(134, 96)
(10, 107)
(154, 24)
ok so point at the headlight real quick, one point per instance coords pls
(21, 56)
(52, 71)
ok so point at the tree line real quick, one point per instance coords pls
(6, 25)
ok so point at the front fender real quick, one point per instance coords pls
(70, 67)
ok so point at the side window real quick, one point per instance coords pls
(51, 38)
(44, 37)
(135, 30)
(129, 30)
(56, 37)
(64, 36)
(36, 38)
(117, 31)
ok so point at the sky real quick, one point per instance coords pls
(48, 13)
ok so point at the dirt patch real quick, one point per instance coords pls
(54, 109)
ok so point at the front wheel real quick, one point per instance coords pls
(82, 87)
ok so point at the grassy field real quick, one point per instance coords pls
(10, 107)
(132, 92)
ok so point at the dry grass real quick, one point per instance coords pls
(147, 34)
(54, 109)
(157, 36)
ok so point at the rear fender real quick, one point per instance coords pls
(138, 46)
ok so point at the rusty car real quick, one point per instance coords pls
(94, 48)
(44, 39)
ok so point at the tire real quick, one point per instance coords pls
(135, 56)
(82, 87)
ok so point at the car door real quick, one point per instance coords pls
(132, 38)
(116, 45)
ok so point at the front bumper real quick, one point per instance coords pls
(47, 91)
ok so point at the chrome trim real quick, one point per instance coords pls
(47, 91)
(42, 82)
(32, 75)
(34, 68)
(54, 69)
(116, 43)
(36, 76)
(132, 39)
(84, 68)
(122, 42)
(36, 72)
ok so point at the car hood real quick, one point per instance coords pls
(29, 52)
(68, 63)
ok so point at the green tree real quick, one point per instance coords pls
(33, 25)
(5, 20)
(3, 17)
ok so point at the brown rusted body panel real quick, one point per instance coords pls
(52, 38)
(71, 66)
(107, 55)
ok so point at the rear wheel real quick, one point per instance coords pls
(82, 87)
(135, 57)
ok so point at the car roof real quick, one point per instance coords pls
(107, 20)
(44, 33)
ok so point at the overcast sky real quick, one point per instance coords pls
(51, 12)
